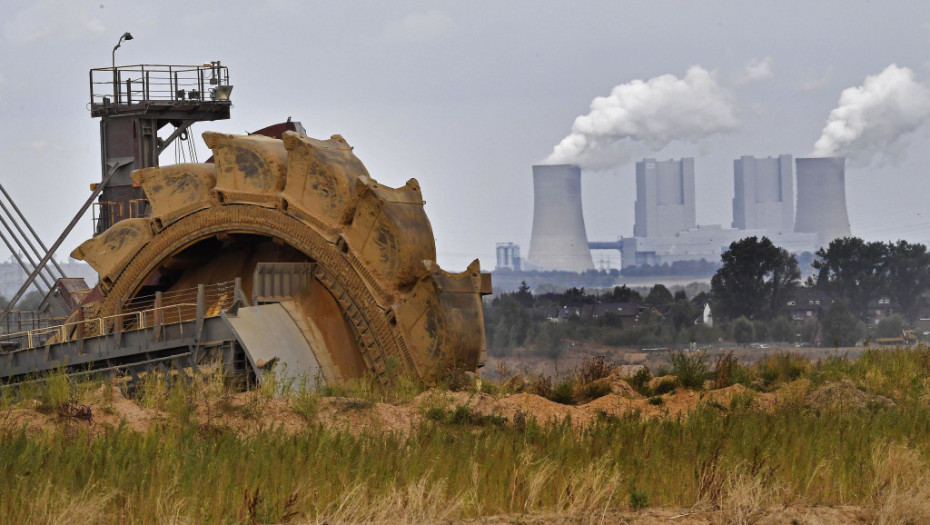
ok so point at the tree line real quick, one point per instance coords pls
(749, 298)
(757, 279)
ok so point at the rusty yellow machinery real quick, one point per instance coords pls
(280, 249)
(377, 302)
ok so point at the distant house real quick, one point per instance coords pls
(808, 303)
(880, 308)
(706, 317)
(624, 313)
(561, 313)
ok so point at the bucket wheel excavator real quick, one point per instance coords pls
(335, 274)
(376, 301)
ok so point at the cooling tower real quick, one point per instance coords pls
(822, 198)
(559, 241)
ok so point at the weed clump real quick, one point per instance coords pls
(639, 500)
(562, 392)
(593, 391)
(594, 369)
(463, 415)
(640, 381)
(457, 379)
(665, 385)
(725, 366)
(782, 367)
(690, 368)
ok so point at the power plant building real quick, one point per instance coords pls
(666, 232)
(706, 242)
(763, 194)
(559, 240)
(822, 198)
(665, 229)
(508, 257)
(664, 197)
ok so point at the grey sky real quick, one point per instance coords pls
(466, 96)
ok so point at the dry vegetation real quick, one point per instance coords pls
(712, 441)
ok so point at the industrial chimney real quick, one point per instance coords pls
(559, 241)
(822, 198)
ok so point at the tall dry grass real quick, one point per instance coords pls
(737, 459)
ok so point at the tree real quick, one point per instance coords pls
(681, 313)
(548, 341)
(623, 294)
(659, 295)
(782, 330)
(891, 326)
(507, 325)
(840, 327)
(743, 331)
(852, 271)
(907, 271)
(523, 295)
(755, 280)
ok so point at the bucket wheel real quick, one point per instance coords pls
(377, 299)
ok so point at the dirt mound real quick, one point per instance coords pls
(252, 412)
(614, 405)
(358, 416)
(845, 396)
(656, 381)
(619, 386)
(542, 409)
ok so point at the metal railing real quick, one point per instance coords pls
(140, 313)
(109, 213)
(127, 85)
(25, 320)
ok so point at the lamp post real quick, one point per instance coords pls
(116, 94)
(126, 36)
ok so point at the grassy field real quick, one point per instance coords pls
(735, 459)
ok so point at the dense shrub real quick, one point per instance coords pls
(690, 368)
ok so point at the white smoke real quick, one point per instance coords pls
(756, 70)
(875, 118)
(652, 113)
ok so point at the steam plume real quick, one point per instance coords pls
(652, 112)
(875, 118)
(756, 70)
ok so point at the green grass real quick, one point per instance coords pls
(458, 465)
(491, 469)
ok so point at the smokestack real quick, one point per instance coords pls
(822, 198)
(559, 241)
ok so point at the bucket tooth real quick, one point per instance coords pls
(390, 232)
(110, 252)
(177, 190)
(251, 168)
(321, 177)
(442, 320)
